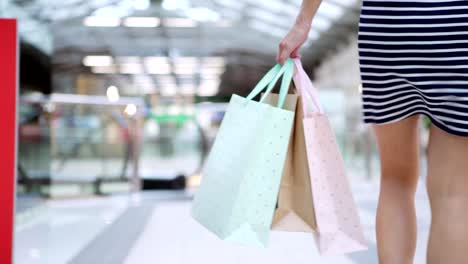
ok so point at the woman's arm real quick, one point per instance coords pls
(290, 45)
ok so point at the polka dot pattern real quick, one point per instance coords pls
(241, 176)
(338, 226)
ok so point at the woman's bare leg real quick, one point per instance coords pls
(447, 185)
(396, 216)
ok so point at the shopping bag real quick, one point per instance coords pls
(295, 210)
(338, 229)
(241, 176)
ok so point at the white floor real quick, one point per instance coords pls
(172, 237)
(62, 228)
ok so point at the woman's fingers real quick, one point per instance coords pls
(284, 51)
(295, 53)
(290, 45)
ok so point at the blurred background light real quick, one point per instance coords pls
(208, 88)
(113, 94)
(131, 109)
(98, 21)
(131, 68)
(180, 22)
(158, 68)
(214, 61)
(174, 110)
(98, 61)
(141, 22)
(168, 90)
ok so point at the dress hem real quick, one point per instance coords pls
(433, 121)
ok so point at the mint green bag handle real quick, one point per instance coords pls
(287, 71)
(271, 78)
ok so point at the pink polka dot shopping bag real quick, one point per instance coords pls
(315, 195)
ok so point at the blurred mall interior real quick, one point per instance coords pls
(120, 101)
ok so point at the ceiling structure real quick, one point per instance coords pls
(179, 43)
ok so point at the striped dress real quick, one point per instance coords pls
(413, 58)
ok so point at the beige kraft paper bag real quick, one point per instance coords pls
(295, 212)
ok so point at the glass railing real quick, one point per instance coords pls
(81, 145)
(71, 144)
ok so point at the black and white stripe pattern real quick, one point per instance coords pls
(414, 59)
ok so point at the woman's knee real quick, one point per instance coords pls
(400, 181)
(402, 174)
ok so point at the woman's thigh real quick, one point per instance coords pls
(447, 165)
(447, 185)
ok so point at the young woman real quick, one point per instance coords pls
(413, 60)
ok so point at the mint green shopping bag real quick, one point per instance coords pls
(241, 177)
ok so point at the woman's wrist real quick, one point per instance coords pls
(307, 13)
(303, 23)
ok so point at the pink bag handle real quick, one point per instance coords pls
(306, 89)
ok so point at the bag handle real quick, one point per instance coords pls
(287, 71)
(271, 78)
(306, 89)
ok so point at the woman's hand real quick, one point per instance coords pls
(290, 45)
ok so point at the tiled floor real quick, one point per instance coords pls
(65, 229)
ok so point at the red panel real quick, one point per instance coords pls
(8, 90)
